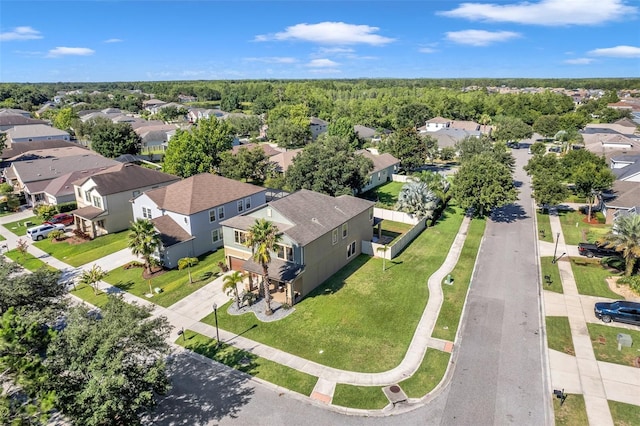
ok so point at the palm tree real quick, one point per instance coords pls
(92, 277)
(230, 285)
(144, 241)
(262, 238)
(625, 237)
(187, 262)
(417, 199)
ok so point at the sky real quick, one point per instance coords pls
(108, 40)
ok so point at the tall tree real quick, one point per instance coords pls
(230, 285)
(114, 139)
(248, 164)
(64, 119)
(483, 183)
(109, 368)
(549, 190)
(144, 241)
(471, 146)
(511, 129)
(263, 237)
(625, 237)
(590, 180)
(330, 166)
(408, 147)
(547, 125)
(198, 151)
(343, 127)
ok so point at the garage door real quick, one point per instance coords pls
(236, 263)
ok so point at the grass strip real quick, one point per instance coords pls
(605, 344)
(454, 295)
(249, 363)
(591, 278)
(624, 414)
(83, 253)
(429, 374)
(28, 261)
(550, 270)
(544, 227)
(559, 335)
(363, 397)
(573, 412)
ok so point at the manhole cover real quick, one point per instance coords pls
(394, 389)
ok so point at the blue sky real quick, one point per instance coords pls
(83, 41)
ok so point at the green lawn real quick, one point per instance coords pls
(429, 374)
(28, 261)
(86, 293)
(590, 278)
(249, 363)
(559, 335)
(385, 195)
(572, 413)
(18, 227)
(394, 229)
(364, 397)
(624, 414)
(361, 310)
(2, 238)
(544, 227)
(80, 254)
(455, 295)
(550, 270)
(605, 344)
(575, 234)
(174, 283)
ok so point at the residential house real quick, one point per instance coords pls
(61, 190)
(384, 166)
(188, 213)
(16, 150)
(152, 105)
(104, 199)
(35, 132)
(319, 235)
(317, 127)
(626, 196)
(435, 124)
(33, 176)
(365, 133)
(156, 137)
(7, 121)
(284, 159)
(12, 111)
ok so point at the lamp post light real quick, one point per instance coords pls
(215, 313)
(555, 250)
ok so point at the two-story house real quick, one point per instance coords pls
(104, 198)
(319, 234)
(188, 213)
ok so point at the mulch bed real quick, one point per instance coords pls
(155, 272)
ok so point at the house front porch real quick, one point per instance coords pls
(90, 220)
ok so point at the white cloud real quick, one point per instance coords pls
(480, 37)
(273, 60)
(20, 33)
(427, 50)
(325, 71)
(322, 63)
(70, 51)
(579, 61)
(335, 50)
(114, 40)
(617, 52)
(545, 12)
(338, 33)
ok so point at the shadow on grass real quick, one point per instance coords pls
(125, 286)
(201, 393)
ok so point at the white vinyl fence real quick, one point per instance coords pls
(377, 250)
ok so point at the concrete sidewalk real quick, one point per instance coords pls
(596, 381)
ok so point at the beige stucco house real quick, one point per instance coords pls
(319, 235)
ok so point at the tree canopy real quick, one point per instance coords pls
(114, 139)
(408, 147)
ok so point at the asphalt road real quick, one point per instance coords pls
(499, 375)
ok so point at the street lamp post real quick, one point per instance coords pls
(555, 250)
(215, 313)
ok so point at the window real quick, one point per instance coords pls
(351, 249)
(136, 193)
(87, 196)
(216, 235)
(79, 193)
(240, 237)
(247, 203)
(284, 252)
(97, 201)
(345, 230)
(240, 206)
(212, 215)
(220, 213)
(146, 213)
(334, 236)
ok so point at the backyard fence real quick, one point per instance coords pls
(377, 250)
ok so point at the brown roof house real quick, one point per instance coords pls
(187, 214)
(319, 235)
(384, 166)
(625, 198)
(104, 197)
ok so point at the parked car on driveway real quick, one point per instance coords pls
(621, 310)
(64, 218)
(40, 232)
(596, 250)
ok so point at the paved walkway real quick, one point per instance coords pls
(596, 381)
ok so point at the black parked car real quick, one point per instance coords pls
(620, 310)
(597, 250)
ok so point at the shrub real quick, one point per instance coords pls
(56, 234)
(285, 306)
(78, 233)
(45, 211)
(600, 217)
(67, 207)
(633, 282)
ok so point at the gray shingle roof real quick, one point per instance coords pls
(380, 161)
(51, 168)
(63, 185)
(126, 177)
(170, 232)
(200, 192)
(22, 147)
(627, 194)
(18, 120)
(314, 214)
(35, 131)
